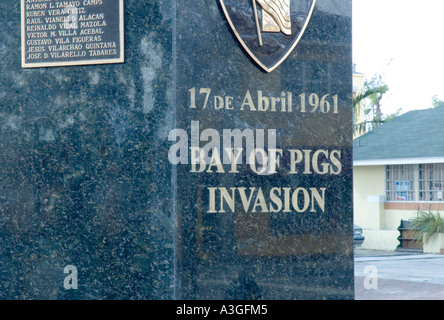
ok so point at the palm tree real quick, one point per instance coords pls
(369, 102)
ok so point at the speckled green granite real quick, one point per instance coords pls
(85, 178)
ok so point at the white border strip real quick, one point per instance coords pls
(380, 162)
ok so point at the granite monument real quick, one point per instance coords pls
(164, 150)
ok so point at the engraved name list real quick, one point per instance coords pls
(60, 33)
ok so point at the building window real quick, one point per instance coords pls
(431, 182)
(400, 184)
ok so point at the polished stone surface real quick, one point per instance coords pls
(85, 178)
(270, 255)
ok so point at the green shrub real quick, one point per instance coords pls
(427, 224)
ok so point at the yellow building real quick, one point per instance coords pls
(398, 170)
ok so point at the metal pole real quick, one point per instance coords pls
(259, 34)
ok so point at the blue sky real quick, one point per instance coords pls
(403, 40)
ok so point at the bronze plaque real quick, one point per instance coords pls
(65, 33)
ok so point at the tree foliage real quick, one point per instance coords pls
(427, 224)
(436, 102)
(369, 102)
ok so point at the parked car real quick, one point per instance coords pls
(358, 237)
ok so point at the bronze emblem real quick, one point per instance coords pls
(268, 30)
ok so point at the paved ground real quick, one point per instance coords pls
(385, 275)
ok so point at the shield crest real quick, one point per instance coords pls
(268, 30)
